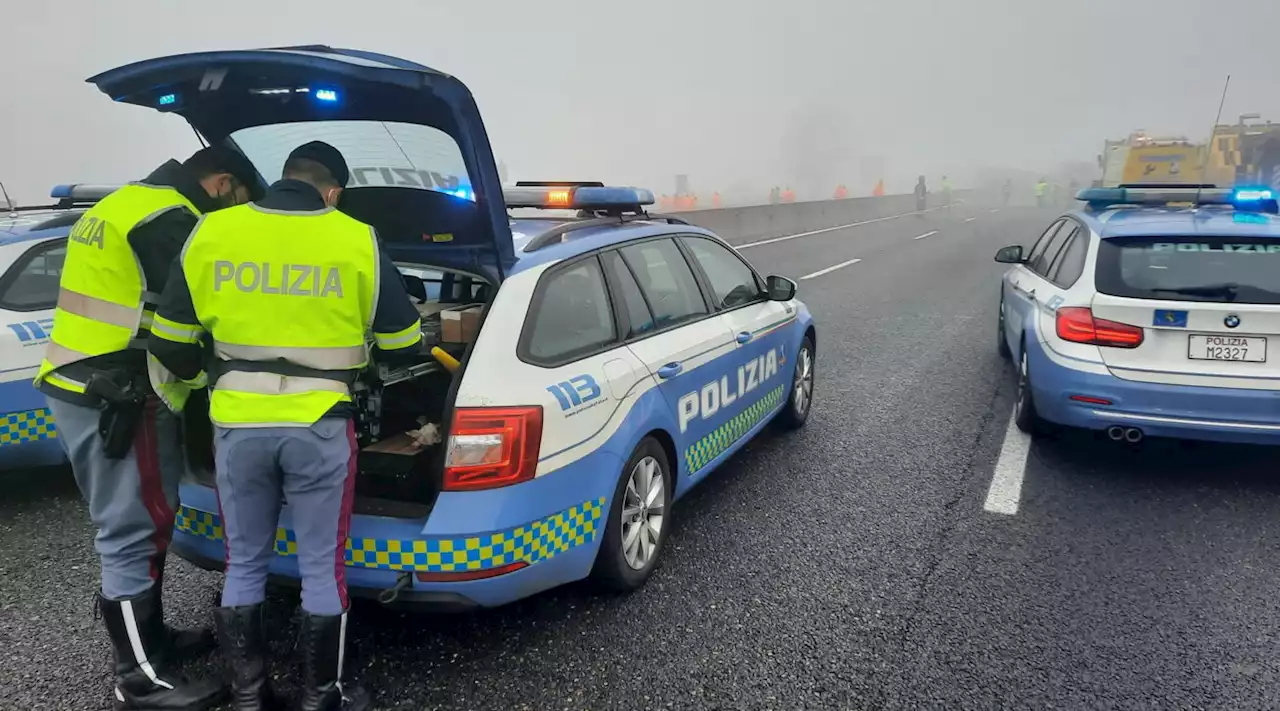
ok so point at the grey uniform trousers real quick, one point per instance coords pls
(131, 500)
(311, 468)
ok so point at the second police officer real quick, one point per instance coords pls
(286, 288)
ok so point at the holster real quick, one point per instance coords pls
(123, 402)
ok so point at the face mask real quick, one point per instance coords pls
(228, 198)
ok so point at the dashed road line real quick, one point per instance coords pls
(1005, 492)
(830, 269)
(927, 234)
(784, 238)
(970, 219)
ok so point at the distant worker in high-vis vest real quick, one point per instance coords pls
(286, 288)
(121, 438)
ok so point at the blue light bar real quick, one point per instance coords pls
(82, 192)
(167, 100)
(1102, 198)
(1252, 194)
(571, 197)
(326, 95)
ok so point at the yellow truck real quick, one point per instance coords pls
(1167, 160)
(1244, 153)
(1141, 159)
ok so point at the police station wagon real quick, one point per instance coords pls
(1150, 312)
(590, 366)
(32, 249)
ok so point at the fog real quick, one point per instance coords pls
(739, 96)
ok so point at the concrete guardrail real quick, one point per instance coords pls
(739, 225)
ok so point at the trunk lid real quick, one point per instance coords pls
(422, 169)
(1209, 306)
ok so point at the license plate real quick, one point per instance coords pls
(1247, 349)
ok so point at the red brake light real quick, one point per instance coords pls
(1077, 324)
(461, 576)
(491, 447)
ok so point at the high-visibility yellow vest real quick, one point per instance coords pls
(103, 303)
(1040, 188)
(294, 294)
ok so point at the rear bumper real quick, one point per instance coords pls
(552, 525)
(1159, 410)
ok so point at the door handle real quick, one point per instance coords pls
(670, 370)
(1031, 294)
(744, 337)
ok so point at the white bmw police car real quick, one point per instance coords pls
(590, 368)
(1150, 312)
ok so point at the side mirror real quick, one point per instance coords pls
(780, 288)
(1010, 255)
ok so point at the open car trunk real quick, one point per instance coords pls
(422, 174)
(403, 411)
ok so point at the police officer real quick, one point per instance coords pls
(118, 258)
(922, 195)
(946, 191)
(286, 288)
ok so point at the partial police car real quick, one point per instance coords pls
(32, 249)
(1153, 311)
(609, 360)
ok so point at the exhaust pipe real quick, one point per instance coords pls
(1133, 435)
(1115, 432)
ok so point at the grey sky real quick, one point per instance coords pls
(738, 92)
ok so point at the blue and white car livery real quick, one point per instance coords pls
(32, 250)
(1153, 311)
(619, 358)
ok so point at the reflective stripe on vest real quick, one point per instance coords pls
(285, 289)
(103, 303)
(341, 358)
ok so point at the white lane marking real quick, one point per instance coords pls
(927, 234)
(1006, 481)
(830, 269)
(970, 219)
(784, 238)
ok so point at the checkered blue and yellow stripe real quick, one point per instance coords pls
(724, 436)
(529, 543)
(27, 426)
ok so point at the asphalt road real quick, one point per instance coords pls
(851, 565)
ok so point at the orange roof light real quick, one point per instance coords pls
(562, 198)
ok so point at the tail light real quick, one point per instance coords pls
(491, 447)
(1078, 325)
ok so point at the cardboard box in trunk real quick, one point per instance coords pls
(460, 324)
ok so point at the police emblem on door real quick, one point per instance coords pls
(1231, 321)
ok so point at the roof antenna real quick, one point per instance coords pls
(6, 197)
(1213, 132)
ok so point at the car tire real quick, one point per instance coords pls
(1002, 344)
(1025, 416)
(800, 398)
(622, 565)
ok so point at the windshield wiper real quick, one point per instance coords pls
(1226, 292)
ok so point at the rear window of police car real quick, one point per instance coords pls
(1216, 269)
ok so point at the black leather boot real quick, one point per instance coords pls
(143, 679)
(244, 652)
(323, 645)
(183, 643)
